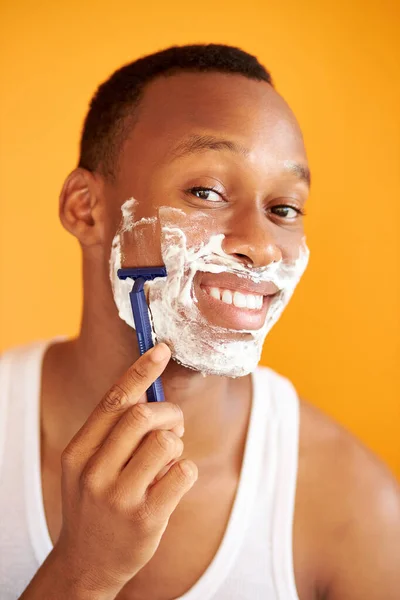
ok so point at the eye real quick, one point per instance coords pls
(285, 211)
(205, 193)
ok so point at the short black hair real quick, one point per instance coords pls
(105, 127)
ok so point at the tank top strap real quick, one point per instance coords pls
(285, 413)
(17, 366)
(21, 370)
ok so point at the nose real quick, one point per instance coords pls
(250, 238)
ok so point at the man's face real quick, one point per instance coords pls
(214, 161)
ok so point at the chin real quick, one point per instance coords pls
(226, 358)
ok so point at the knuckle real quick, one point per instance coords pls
(166, 441)
(90, 480)
(115, 399)
(140, 416)
(68, 457)
(147, 516)
(177, 410)
(138, 374)
(186, 471)
(118, 500)
(179, 447)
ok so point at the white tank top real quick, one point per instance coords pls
(255, 558)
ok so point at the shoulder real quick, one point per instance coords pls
(354, 503)
(20, 355)
(340, 461)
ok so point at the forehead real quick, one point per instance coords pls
(248, 112)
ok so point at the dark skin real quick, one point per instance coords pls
(347, 514)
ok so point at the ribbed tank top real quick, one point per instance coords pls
(255, 558)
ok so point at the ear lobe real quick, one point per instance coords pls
(80, 207)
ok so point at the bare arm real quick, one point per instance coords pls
(348, 516)
(367, 561)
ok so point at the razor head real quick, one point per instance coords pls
(145, 273)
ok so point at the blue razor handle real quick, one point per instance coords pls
(140, 311)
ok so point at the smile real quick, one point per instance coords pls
(238, 299)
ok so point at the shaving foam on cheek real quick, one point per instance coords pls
(122, 287)
(194, 342)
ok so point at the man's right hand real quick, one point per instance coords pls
(121, 481)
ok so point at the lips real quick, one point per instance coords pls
(233, 282)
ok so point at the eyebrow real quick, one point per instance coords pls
(199, 143)
(301, 171)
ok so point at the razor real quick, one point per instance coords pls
(140, 311)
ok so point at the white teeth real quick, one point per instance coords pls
(250, 301)
(239, 300)
(215, 293)
(227, 297)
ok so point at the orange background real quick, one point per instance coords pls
(338, 67)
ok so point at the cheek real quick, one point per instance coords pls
(197, 227)
(141, 247)
(142, 240)
(292, 245)
(197, 237)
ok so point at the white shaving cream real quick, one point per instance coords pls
(176, 319)
(122, 287)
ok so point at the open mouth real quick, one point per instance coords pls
(236, 298)
(233, 309)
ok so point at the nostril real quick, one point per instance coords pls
(244, 259)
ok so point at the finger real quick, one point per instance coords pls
(163, 471)
(164, 496)
(125, 393)
(153, 454)
(126, 436)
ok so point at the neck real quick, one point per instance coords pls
(78, 373)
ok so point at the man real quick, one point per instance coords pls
(191, 159)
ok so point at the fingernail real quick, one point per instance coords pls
(159, 353)
(180, 430)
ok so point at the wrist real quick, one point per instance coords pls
(76, 581)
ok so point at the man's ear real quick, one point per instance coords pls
(81, 208)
